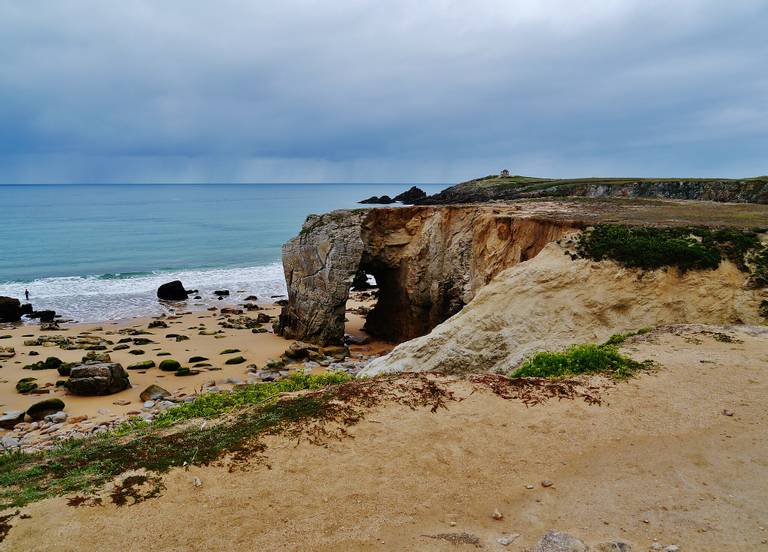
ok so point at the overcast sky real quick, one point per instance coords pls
(380, 91)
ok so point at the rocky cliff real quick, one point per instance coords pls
(429, 262)
(554, 300)
(493, 188)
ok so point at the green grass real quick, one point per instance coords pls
(84, 465)
(687, 248)
(579, 359)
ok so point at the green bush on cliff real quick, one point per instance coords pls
(579, 359)
(647, 247)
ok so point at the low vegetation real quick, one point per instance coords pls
(83, 465)
(687, 248)
(580, 359)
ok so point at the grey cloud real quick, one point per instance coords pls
(438, 90)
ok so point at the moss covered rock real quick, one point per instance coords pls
(25, 385)
(143, 365)
(170, 365)
(235, 360)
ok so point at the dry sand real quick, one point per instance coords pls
(657, 460)
(255, 348)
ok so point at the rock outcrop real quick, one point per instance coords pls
(553, 301)
(495, 188)
(428, 263)
(10, 309)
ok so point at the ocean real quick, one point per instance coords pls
(98, 252)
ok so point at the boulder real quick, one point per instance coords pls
(41, 409)
(10, 418)
(26, 308)
(26, 385)
(45, 316)
(143, 365)
(10, 309)
(154, 393)
(103, 378)
(170, 365)
(221, 292)
(411, 196)
(555, 541)
(172, 291)
(7, 352)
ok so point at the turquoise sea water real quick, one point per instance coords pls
(98, 252)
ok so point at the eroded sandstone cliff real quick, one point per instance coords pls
(429, 262)
(553, 301)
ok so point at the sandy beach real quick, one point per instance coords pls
(207, 338)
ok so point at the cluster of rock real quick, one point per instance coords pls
(409, 197)
(11, 310)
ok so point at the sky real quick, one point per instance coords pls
(380, 91)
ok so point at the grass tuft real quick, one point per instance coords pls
(579, 359)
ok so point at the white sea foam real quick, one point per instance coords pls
(120, 296)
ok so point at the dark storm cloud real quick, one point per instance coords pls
(302, 90)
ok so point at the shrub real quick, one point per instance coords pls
(579, 359)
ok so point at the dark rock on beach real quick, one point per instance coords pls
(172, 291)
(45, 316)
(97, 379)
(153, 393)
(41, 409)
(10, 309)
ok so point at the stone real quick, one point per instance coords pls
(555, 541)
(672, 548)
(172, 291)
(546, 483)
(235, 360)
(170, 365)
(10, 309)
(57, 417)
(7, 352)
(153, 393)
(508, 539)
(103, 378)
(263, 318)
(221, 293)
(26, 385)
(10, 418)
(614, 546)
(41, 409)
(93, 356)
(497, 515)
(143, 365)
(9, 442)
(158, 324)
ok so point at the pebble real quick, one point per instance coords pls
(727, 412)
(546, 483)
(529, 487)
(507, 540)
(56, 417)
(149, 404)
(497, 515)
(197, 482)
(672, 548)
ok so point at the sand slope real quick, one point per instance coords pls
(657, 460)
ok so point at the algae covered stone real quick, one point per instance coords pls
(170, 365)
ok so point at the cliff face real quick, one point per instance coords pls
(429, 262)
(750, 190)
(553, 301)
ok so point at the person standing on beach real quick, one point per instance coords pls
(26, 294)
